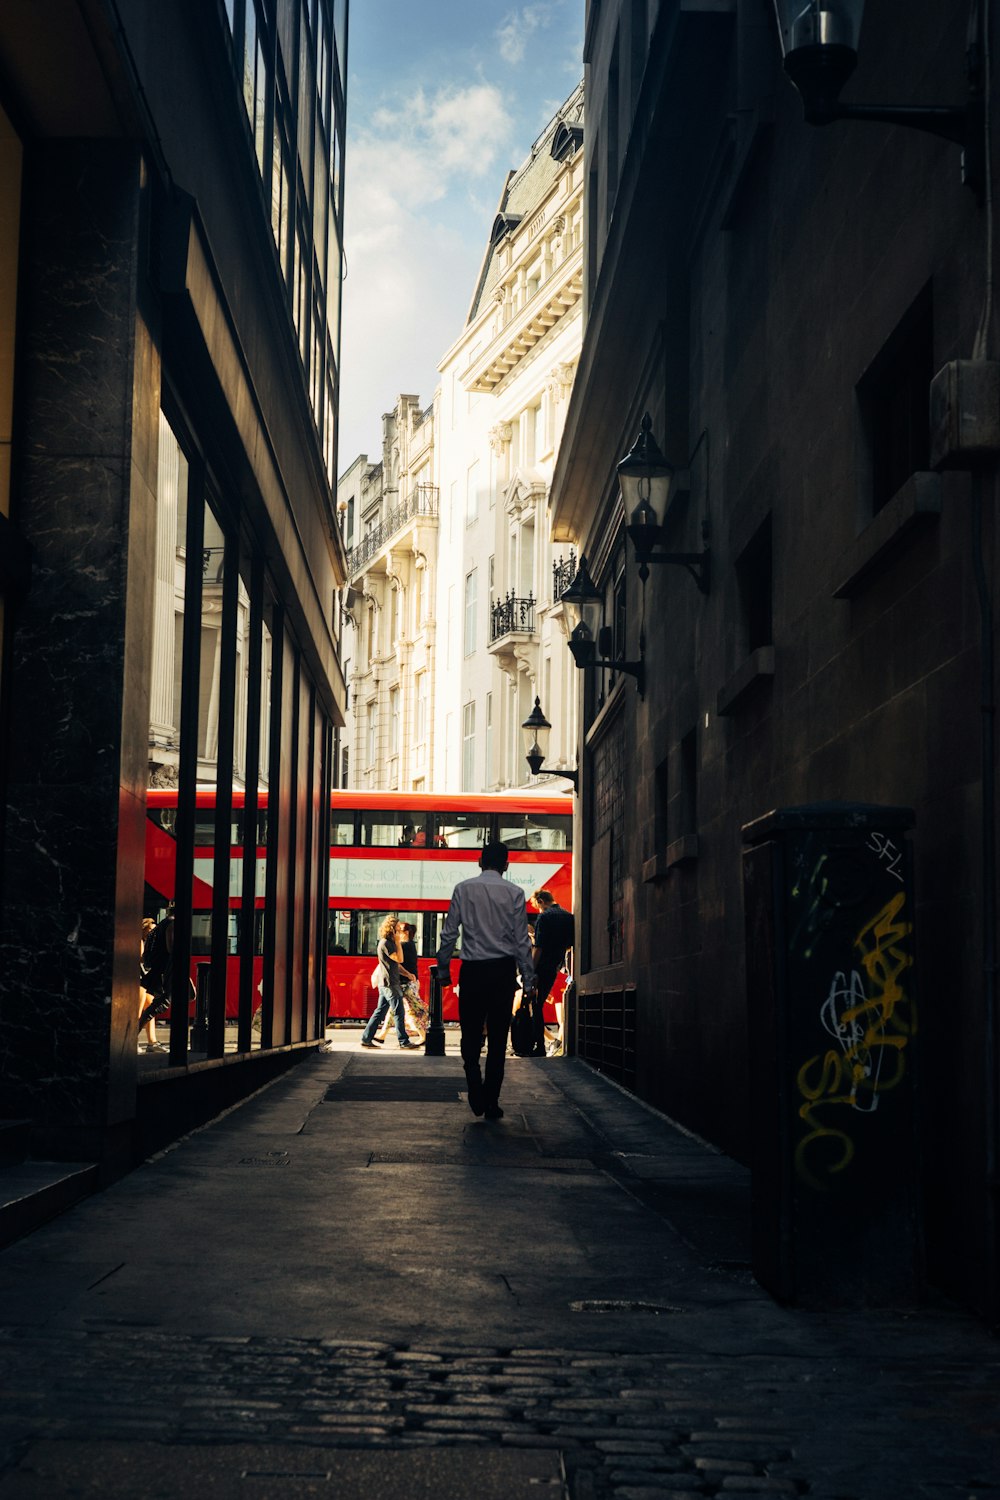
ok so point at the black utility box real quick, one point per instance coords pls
(832, 1022)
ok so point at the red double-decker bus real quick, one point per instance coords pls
(398, 852)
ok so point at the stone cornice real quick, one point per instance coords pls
(561, 292)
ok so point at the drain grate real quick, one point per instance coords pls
(598, 1305)
(268, 1159)
(395, 1090)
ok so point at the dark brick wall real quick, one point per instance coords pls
(781, 267)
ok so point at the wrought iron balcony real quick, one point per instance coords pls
(421, 502)
(563, 573)
(512, 616)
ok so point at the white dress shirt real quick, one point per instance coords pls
(494, 922)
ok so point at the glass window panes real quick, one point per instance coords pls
(536, 830)
(339, 933)
(369, 923)
(462, 830)
(434, 921)
(402, 829)
(342, 826)
(201, 933)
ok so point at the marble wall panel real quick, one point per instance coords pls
(78, 280)
(68, 967)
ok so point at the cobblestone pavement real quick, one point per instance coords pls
(632, 1427)
(684, 1380)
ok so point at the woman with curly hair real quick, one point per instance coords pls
(390, 987)
(415, 1013)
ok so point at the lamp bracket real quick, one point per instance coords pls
(949, 121)
(697, 564)
(571, 776)
(636, 669)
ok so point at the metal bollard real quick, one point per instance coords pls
(199, 1030)
(434, 1046)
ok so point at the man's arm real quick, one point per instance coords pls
(524, 954)
(449, 935)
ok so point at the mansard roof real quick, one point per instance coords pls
(529, 184)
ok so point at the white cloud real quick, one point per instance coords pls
(411, 262)
(518, 28)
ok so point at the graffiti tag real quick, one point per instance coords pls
(888, 852)
(872, 1020)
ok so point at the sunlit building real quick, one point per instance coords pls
(505, 384)
(389, 514)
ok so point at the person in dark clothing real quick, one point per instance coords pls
(494, 922)
(158, 967)
(554, 933)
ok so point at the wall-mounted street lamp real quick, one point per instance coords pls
(584, 608)
(819, 46)
(536, 730)
(647, 481)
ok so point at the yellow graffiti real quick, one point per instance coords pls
(823, 1092)
(871, 1030)
(885, 961)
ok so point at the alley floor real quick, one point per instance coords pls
(349, 1286)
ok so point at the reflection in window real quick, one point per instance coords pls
(458, 830)
(201, 934)
(536, 831)
(403, 829)
(339, 933)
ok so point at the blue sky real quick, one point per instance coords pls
(443, 98)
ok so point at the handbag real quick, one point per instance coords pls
(375, 978)
(522, 1031)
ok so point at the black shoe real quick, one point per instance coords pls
(368, 1044)
(476, 1103)
(493, 1112)
(407, 1047)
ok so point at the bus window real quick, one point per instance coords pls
(462, 830)
(165, 818)
(204, 828)
(400, 829)
(201, 933)
(369, 923)
(536, 830)
(342, 828)
(339, 935)
(434, 921)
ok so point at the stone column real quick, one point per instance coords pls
(85, 442)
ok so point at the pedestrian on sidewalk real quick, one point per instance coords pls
(414, 1010)
(554, 934)
(145, 995)
(390, 997)
(157, 973)
(494, 921)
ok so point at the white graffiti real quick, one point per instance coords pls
(846, 1015)
(889, 852)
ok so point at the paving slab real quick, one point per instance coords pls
(123, 1471)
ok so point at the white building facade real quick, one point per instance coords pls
(505, 383)
(454, 580)
(389, 519)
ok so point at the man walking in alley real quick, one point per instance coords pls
(554, 933)
(494, 922)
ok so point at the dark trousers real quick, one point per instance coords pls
(545, 976)
(485, 999)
